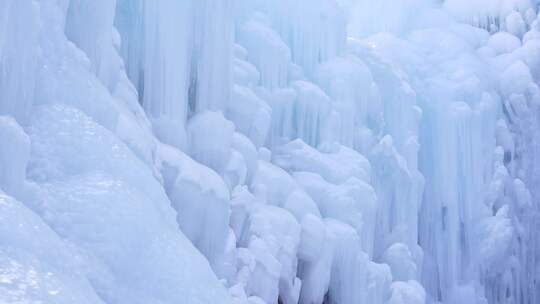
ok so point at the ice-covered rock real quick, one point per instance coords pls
(200, 198)
(37, 265)
(401, 262)
(335, 163)
(109, 206)
(210, 138)
(251, 114)
(273, 236)
(407, 292)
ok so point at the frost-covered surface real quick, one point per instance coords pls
(245, 151)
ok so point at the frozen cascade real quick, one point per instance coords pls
(251, 152)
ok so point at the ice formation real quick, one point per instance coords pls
(251, 152)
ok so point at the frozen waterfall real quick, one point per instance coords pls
(270, 151)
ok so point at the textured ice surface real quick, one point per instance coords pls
(36, 265)
(308, 151)
(113, 212)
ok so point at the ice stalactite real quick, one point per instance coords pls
(18, 57)
(211, 69)
(169, 50)
(156, 47)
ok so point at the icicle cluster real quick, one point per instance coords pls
(247, 151)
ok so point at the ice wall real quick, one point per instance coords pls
(92, 222)
(18, 44)
(169, 48)
(217, 151)
(463, 105)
